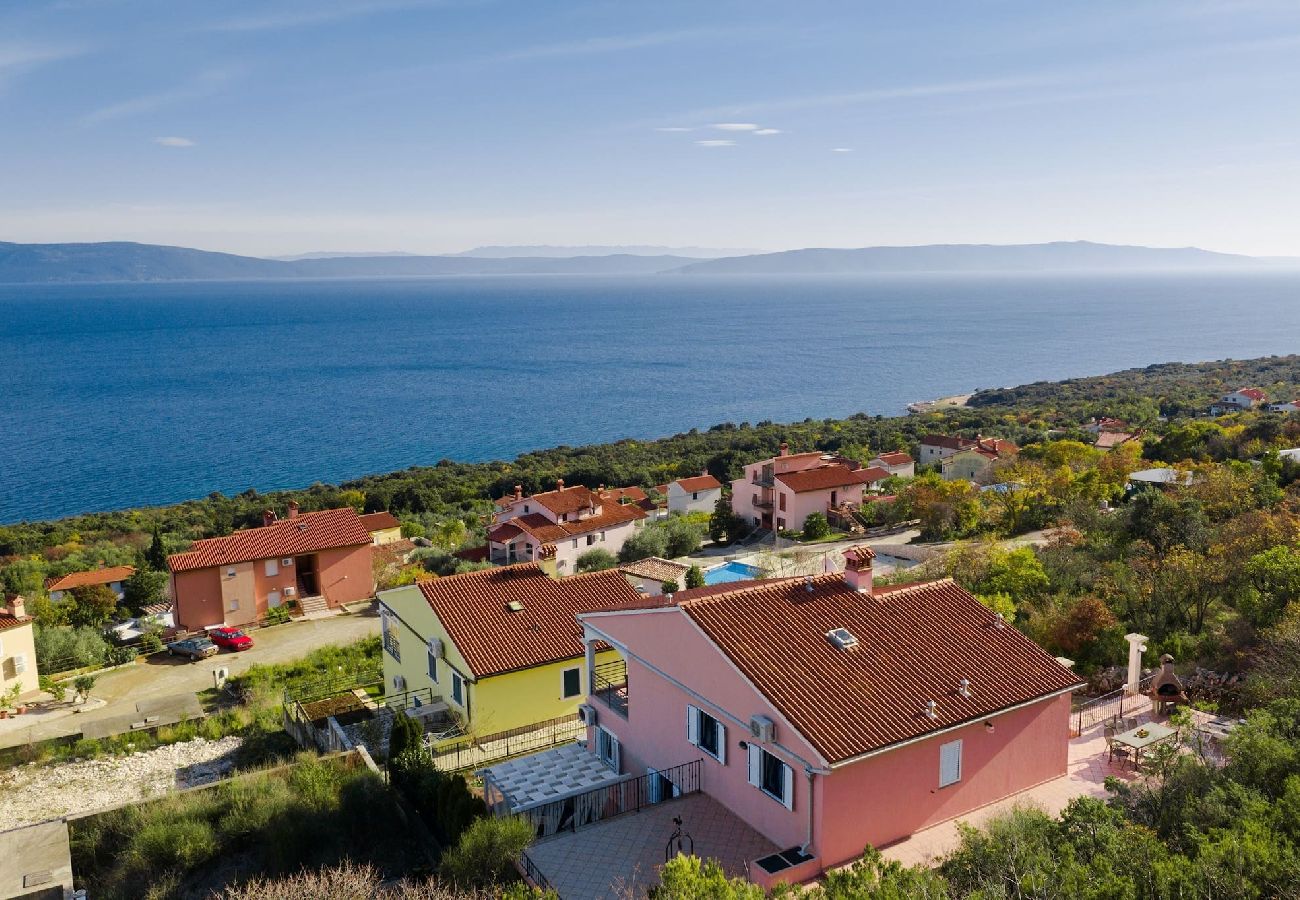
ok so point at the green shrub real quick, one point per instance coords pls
(150, 642)
(486, 852)
(816, 527)
(277, 615)
(596, 560)
(163, 845)
(695, 577)
(120, 656)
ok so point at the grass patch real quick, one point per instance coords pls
(313, 814)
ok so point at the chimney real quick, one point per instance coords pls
(268, 517)
(546, 559)
(559, 484)
(16, 606)
(857, 568)
(293, 509)
(519, 492)
(785, 449)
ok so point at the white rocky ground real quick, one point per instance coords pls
(35, 793)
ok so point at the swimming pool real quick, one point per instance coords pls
(732, 571)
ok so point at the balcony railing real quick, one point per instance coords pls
(631, 795)
(762, 503)
(610, 686)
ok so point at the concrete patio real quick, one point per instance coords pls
(621, 856)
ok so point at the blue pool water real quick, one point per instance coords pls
(732, 571)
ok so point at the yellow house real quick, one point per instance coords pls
(17, 649)
(383, 527)
(502, 647)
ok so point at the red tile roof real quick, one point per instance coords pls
(7, 621)
(698, 483)
(915, 644)
(535, 524)
(473, 609)
(618, 495)
(307, 533)
(1253, 393)
(379, 521)
(826, 477)
(656, 568)
(895, 459)
(566, 500)
(1107, 440)
(94, 576)
(873, 473)
(948, 441)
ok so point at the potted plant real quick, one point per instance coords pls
(9, 701)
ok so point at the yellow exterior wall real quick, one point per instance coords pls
(386, 536)
(15, 642)
(496, 703)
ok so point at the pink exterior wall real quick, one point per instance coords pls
(198, 598)
(886, 798)
(654, 734)
(345, 575)
(800, 506)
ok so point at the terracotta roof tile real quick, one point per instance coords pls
(698, 483)
(7, 621)
(895, 459)
(915, 644)
(1253, 393)
(947, 441)
(566, 500)
(94, 576)
(473, 609)
(826, 477)
(306, 533)
(656, 568)
(379, 521)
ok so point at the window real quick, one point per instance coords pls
(433, 667)
(780, 523)
(575, 542)
(272, 568)
(771, 776)
(388, 631)
(695, 495)
(781, 498)
(457, 688)
(707, 733)
(525, 507)
(591, 539)
(234, 605)
(607, 749)
(571, 682)
(949, 763)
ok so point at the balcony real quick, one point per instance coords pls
(762, 502)
(609, 686)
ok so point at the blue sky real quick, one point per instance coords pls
(282, 126)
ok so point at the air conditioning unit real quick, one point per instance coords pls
(20, 664)
(587, 713)
(435, 647)
(287, 561)
(290, 591)
(399, 683)
(762, 729)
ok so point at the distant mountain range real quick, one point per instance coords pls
(535, 250)
(122, 261)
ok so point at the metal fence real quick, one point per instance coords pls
(532, 873)
(610, 685)
(475, 751)
(571, 813)
(1111, 706)
(332, 685)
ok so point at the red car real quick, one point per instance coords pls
(230, 638)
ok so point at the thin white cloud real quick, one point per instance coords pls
(18, 57)
(841, 149)
(768, 131)
(716, 143)
(301, 14)
(735, 126)
(611, 44)
(674, 128)
(173, 141)
(202, 85)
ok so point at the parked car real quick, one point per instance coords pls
(230, 638)
(195, 648)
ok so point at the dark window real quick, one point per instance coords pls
(433, 667)
(773, 776)
(783, 502)
(457, 689)
(572, 683)
(708, 731)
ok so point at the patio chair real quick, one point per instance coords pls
(1112, 749)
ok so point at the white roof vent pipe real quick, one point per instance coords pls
(931, 709)
(963, 687)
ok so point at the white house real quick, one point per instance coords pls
(1246, 398)
(112, 577)
(900, 464)
(697, 494)
(1287, 406)
(574, 520)
(935, 448)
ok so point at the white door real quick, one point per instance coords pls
(273, 599)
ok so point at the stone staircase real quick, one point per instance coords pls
(313, 607)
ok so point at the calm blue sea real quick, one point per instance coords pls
(126, 394)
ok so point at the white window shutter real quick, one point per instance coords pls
(789, 788)
(693, 725)
(755, 766)
(656, 791)
(949, 763)
(617, 755)
(722, 743)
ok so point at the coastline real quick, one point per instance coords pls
(956, 401)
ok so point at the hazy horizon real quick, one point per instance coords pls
(284, 127)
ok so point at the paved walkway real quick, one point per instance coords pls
(620, 857)
(169, 680)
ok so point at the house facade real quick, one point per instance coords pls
(934, 448)
(1246, 398)
(829, 715)
(973, 463)
(318, 559)
(783, 491)
(112, 576)
(501, 647)
(17, 649)
(383, 527)
(698, 494)
(572, 519)
(899, 464)
(1286, 406)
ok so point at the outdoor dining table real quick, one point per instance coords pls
(1143, 737)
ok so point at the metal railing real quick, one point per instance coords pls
(330, 685)
(610, 686)
(532, 873)
(632, 795)
(1110, 706)
(476, 751)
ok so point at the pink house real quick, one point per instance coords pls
(573, 519)
(827, 715)
(783, 491)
